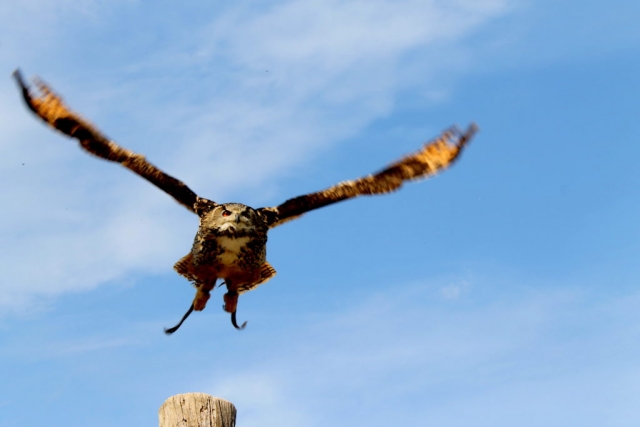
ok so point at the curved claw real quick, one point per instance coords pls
(169, 331)
(235, 323)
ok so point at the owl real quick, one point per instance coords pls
(230, 244)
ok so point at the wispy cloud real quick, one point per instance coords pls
(269, 400)
(67, 349)
(447, 362)
(229, 104)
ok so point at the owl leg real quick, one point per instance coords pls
(231, 306)
(202, 295)
(230, 302)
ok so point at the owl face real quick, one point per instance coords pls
(233, 218)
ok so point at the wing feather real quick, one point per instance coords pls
(50, 108)
(267, 272)
(431, 159)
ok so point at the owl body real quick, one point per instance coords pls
(231, 245)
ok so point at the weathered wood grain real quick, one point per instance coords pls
(196, 410)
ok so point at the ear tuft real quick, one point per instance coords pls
(204, 206)
(268, 215)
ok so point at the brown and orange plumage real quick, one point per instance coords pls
(231, 240)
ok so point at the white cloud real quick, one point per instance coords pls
(453, 291)
(405, 357)
(262, 397)
(91, 345)
(225, 106)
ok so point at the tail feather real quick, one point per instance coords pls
(267, 272)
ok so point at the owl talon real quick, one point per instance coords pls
(235, 323)
(175, 328)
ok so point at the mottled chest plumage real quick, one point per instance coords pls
(229, 254)
(230, 244)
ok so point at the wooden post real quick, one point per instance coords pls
(197, 410)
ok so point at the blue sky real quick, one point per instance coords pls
(504, 292)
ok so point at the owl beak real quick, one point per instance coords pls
(237, 219)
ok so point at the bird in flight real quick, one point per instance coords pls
(230, 244)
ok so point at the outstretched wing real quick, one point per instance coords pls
(50, 108)
(434, 157)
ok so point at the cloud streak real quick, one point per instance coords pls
(228, 106)
(442, 362)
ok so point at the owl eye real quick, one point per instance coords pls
(226, 213)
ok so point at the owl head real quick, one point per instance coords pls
(233, 218)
